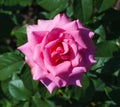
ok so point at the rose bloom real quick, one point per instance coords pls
(59, 51)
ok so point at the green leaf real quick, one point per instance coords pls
(85, 82)
(106, 49)
(31, 85)
(69, 10)
(106, 4)
(115, 96)
(107, 91)
(5, 19)
(5, 103)
(112, 66)
(100, 63)
(101, 32)
(99, 84)
(10, 63)
(26, 104)
(37, 102)
(4, 87)
(59, 9)
(52, 4)
(83, 9)
(118, 79)
(25, 2)
(87, 9)
(84, 93)
(20, 34)
(16, 2)
(18, 90)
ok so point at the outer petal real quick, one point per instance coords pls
(38, 57)
(49, 84)
(75, 77)
(44, 25)
(58, 21)
(37, 72)
(70, 26)
(61, 19)
(26, 49)
(35, 35)
(79, 24)
(87, 37)
(88, 60)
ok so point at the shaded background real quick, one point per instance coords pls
(101, 85)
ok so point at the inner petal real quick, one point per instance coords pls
(60, 53)
(65, 47)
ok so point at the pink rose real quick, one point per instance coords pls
(59, 51)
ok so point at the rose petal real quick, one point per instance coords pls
(53, 35)
(76, 61)
(66, 48)
(92, 59)
(62, 68)
(70, 26)
(60, 20)
(30, 29)
(34, 34)
(61, 82)
(44, 25)
(76, 71)
(87, 38)
(58, 69)
(26, 49)
(79, 24)
(37, 72)
(76, 76)
(38, 56)
(52, 82)
(91, 34)
(50, 85)
(74, 47)
(78, 38)
(37, 36)
(56, 22)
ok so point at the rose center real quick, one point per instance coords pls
(60, 53)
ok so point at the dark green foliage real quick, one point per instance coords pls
(101, 85)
